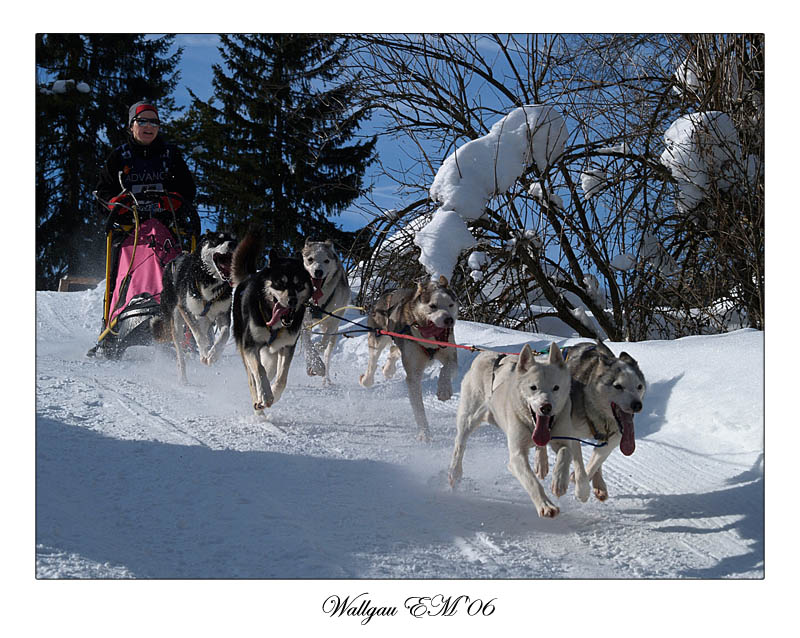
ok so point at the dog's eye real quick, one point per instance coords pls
(433, 306)
(327, 261)
(618, 386)
(555, 388)
(533, 387)
(639, 387)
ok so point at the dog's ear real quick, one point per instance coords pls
(443, 281)
(328, 242)
(307, 242)
(525, 359)
(624, 356)
(555, 355)
(420, 288)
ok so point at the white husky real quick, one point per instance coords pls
(530, 401)
(331, 292)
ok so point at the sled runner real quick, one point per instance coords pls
(139, 245)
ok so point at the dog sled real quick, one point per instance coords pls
(139, 245)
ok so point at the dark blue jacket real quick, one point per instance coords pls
(158, 165)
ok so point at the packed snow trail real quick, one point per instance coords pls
(138, 476)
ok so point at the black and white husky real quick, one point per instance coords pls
(331, 292)
(197, 293)
(268, 311)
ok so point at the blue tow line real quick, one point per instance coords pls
(572, 438)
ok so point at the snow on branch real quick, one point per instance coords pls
(702, 150)
(482, 169)
(489, 165)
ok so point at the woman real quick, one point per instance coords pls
(147, 162)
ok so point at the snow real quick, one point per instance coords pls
(481, 169)
(592, 181)
(490, 165)
(141, 477)
(625, 261)
(536, 192)
(441, 241)
(477, 260)
(702, 149)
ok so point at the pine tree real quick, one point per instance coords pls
(276, 138)
(85, 84)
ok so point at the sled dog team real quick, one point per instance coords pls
(556, 398)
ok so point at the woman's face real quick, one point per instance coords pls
(145, 127)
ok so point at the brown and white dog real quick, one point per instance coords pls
(428, 311)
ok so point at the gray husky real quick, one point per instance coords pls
(530, 401)
(606, 393)
(331, 292)
(429, 312)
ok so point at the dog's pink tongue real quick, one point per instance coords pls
(277, 312)
(628, 443)
(541, 432)
(432, 331)
(317, 294)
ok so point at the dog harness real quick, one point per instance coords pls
(223, 292)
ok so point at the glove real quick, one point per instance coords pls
(117, 204)
(166, 200)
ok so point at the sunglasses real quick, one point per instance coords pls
(142, 121)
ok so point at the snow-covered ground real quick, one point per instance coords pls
(141, 477)
(138, 476)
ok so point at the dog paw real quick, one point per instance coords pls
(315, 368)
(389, 369)
(454, 477)
(547, 510)
(444, 394)
(424, 436)
(558, 488)
(365, 381)
(600, 494)
(264, 403)
(582, 490)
